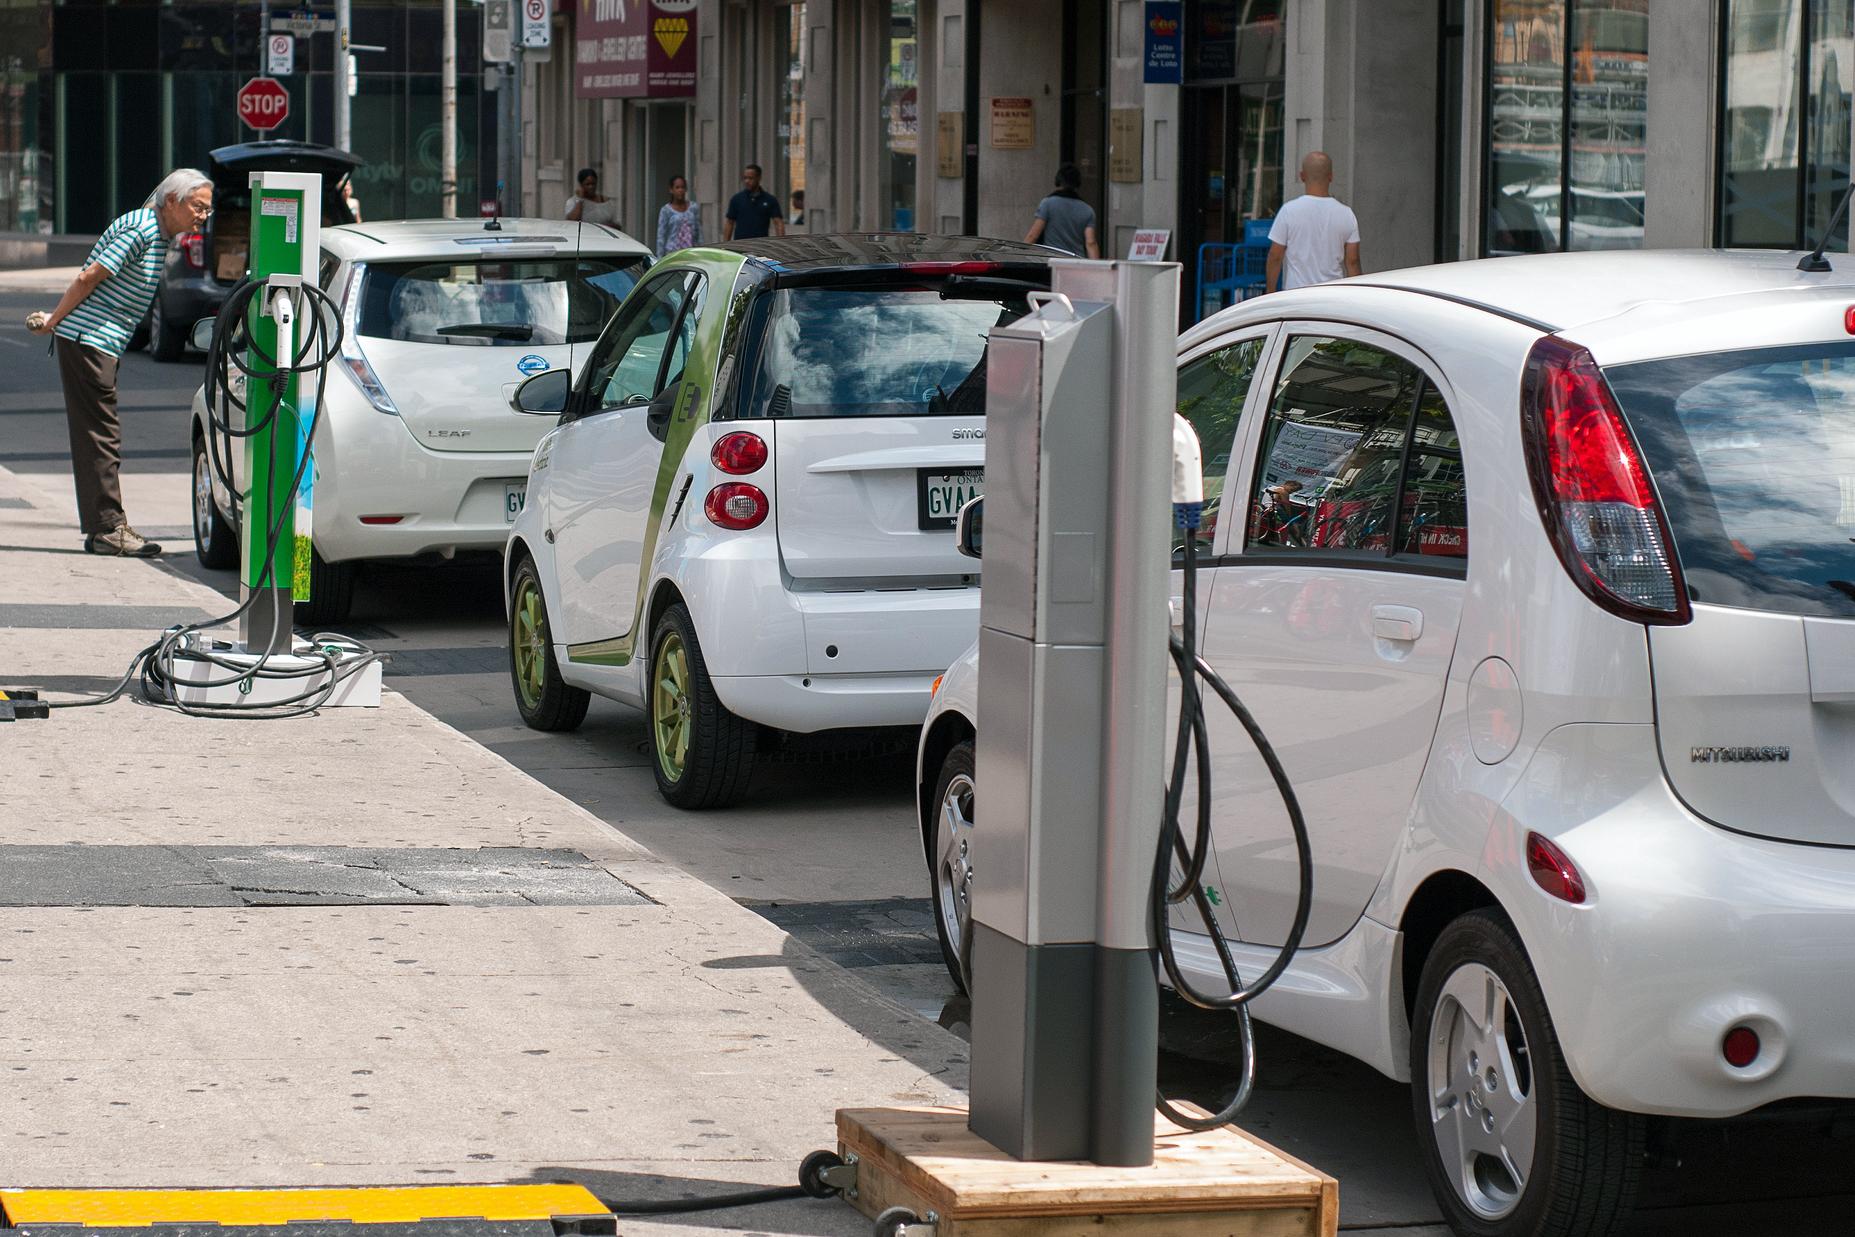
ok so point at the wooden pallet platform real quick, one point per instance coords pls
(1224, 1183)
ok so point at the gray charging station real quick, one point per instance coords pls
(1072, 726)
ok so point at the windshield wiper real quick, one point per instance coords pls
(519, 332)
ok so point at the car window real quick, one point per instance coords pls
(875, 352)
(1211, 394)
(685, 341)
(1359, 458)
(629, 360)
(495, 302)
(1753, 452)
(325, 273)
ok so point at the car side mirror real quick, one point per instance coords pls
(201, 336)
(657, 417)
(544, 394)
(969, 527)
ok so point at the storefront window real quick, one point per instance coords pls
(790, 32)
(25, 48)
(901, 112)
(1567, 124)
(1784, 137)
(1233, 97)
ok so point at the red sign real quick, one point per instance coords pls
(263, 103)
(634, 49)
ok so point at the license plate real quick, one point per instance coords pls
(942, 494)
(513, 496)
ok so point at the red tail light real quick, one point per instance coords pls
(1594, 492)
(1553, 870)
(739, 453)
(951, 268)
(736, 505)
(193, 244)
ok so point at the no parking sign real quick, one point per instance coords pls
(536, 30)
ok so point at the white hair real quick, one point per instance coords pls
(177, 184)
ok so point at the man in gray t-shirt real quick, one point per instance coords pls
(1064, 221)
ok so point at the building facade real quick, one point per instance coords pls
(100, 98)
(1458, 128)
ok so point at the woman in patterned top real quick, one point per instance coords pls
(93, 321)
(679, 223)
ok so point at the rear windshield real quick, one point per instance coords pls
(1753, 453)
(890, 352)
(508, 303)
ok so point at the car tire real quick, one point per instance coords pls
(215, 541)
(701, 754)
(331, 592)
(165, 341)
(544, 700)
(1490, 1087)
(950, 848)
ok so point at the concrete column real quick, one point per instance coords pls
(822, 206)
(1027, 63)
(940, 207)
(1680, 175)
(705, 171)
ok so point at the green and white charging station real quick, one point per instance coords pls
(286, 238)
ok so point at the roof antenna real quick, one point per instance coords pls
(1814, 262)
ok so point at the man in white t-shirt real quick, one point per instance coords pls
(1315, 237)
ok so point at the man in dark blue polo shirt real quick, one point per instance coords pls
(753, 210)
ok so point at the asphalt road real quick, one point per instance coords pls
(830, 852)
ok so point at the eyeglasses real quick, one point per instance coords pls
(200, 212)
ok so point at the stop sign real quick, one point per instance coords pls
(263, 103)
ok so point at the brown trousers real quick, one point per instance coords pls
(89, 376)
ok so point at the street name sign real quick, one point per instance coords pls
(263, 103)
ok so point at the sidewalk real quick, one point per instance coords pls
(633, 1029)
(43, 279)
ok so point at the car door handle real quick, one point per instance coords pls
(1402, 623)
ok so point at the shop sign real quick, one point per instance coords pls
(1149, 245)
(1014, 124)
(1165, 42)
(635, 49)
(947, 148)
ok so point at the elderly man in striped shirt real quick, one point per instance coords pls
(93, 322)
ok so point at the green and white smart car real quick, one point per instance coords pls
(744, 518)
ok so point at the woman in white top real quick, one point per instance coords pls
(587, 206)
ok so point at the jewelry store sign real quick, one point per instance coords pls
(635, 49)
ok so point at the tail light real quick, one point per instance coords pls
(1553, 870)
(193, 245)
(1593, 490)
(739, 453)
(736, 505)
(352, 358)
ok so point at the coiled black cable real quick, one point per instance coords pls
(1190, 749)
(334, 659)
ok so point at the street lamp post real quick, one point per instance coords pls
(447, 172)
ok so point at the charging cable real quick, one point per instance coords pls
(333, 659)
(1191, 756)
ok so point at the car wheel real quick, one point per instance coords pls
(544, 700)
(1511, 1145)
(701, 754)
(952, 875)
(165, 343)
(214, 538)
(331, 592)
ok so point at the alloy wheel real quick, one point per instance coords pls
(202, 499)
(1484, 1108)
(670, 706)
(953, 866)
(528, 642)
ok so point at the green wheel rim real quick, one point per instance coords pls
(670, 706)
(528, 642)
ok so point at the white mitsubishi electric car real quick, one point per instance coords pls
(417, 451)
(743, 520)
(1539, 574)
